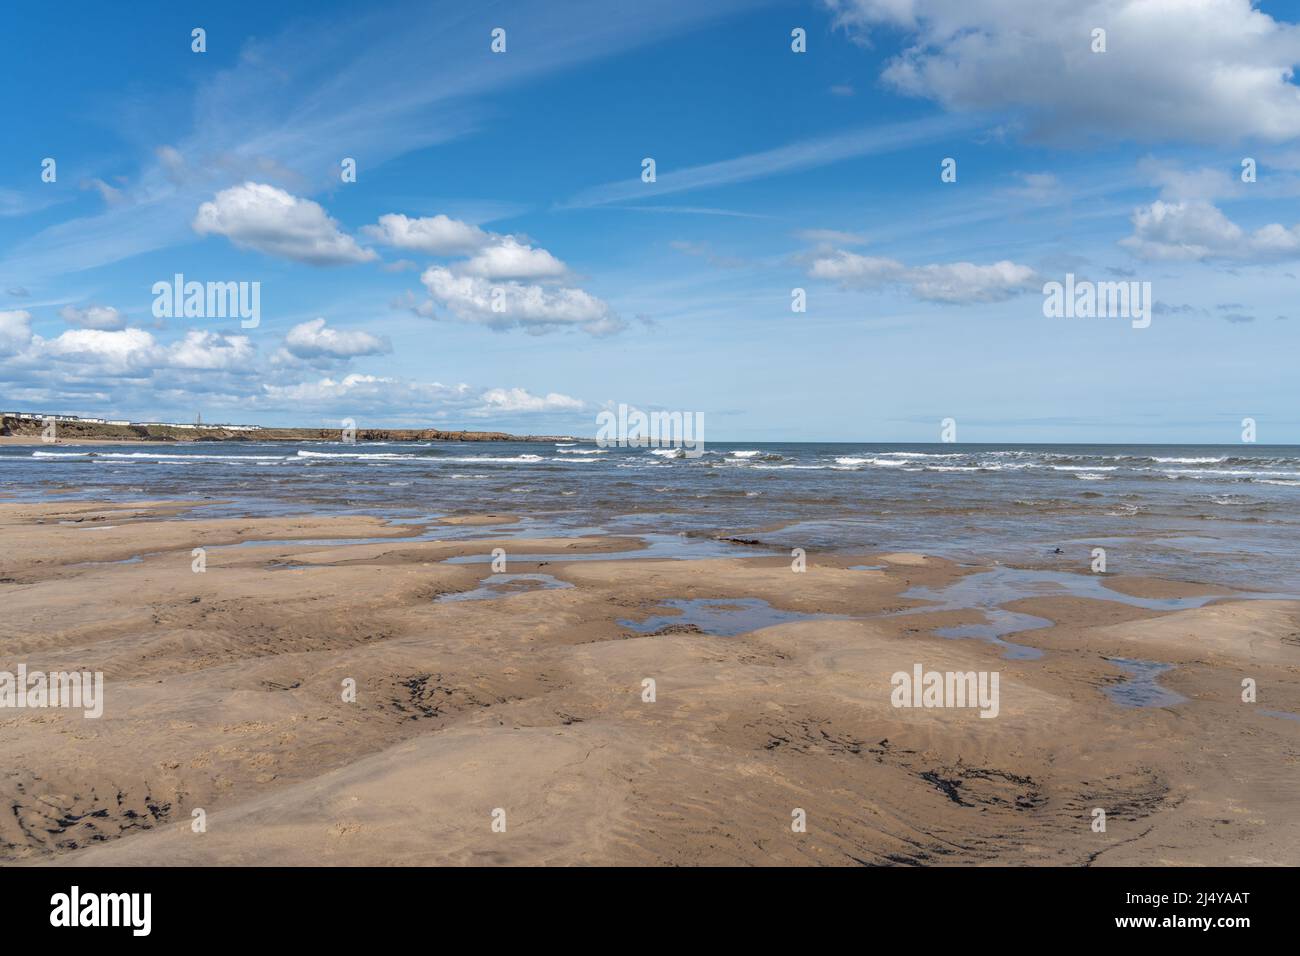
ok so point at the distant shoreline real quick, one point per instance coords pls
(15, 431)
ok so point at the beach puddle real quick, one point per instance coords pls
(134, 559)
(1141, 689)
(722, 617)
(675, 547)
(998, 624)
(1003, 584)
(985, 591)
(504, 585)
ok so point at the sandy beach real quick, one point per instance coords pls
(526, 707)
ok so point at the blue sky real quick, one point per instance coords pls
(521, 171)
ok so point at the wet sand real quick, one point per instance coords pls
(224, 693)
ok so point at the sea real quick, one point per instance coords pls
(1206, 513)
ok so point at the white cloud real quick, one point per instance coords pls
(15, 330)
(94, 317)
(313, 339)
(270, 220)
(82, 369)
(492, 256)
(207, 350)
(502, 270)
(508, 258)
(1210, 70)
(508, 400)
(1197, 230)
(358, 393)
(536, 308)
(131, 353)
(1176, 182)
(434, 235)
(109, 352)
(967, 282)
(360, 396)
(954, 282)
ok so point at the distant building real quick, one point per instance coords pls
(43, 416)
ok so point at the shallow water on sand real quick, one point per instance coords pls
(1221, 513)
(504, 585)
(987, 590)
(723, 617)
(1141, 689)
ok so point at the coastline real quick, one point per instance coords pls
(27, 431)
(223, 694)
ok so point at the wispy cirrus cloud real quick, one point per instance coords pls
(295, 101)
(794, 157)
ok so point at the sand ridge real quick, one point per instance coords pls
(224, 693)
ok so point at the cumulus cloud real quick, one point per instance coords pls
(203, 349)
(434, 235)
(85, 368)
(1177, 182)
(270, 220)
(105, 355)
(103, 317)
(358, 392)
(504, 281)
(314, 340)
(510, 400)
(954, 282)
(1198, 230)
(112, 352)
(535, 308)
(508, 258)
(15, 330)
(1209, 71)
(491, 255)
(358, 395)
